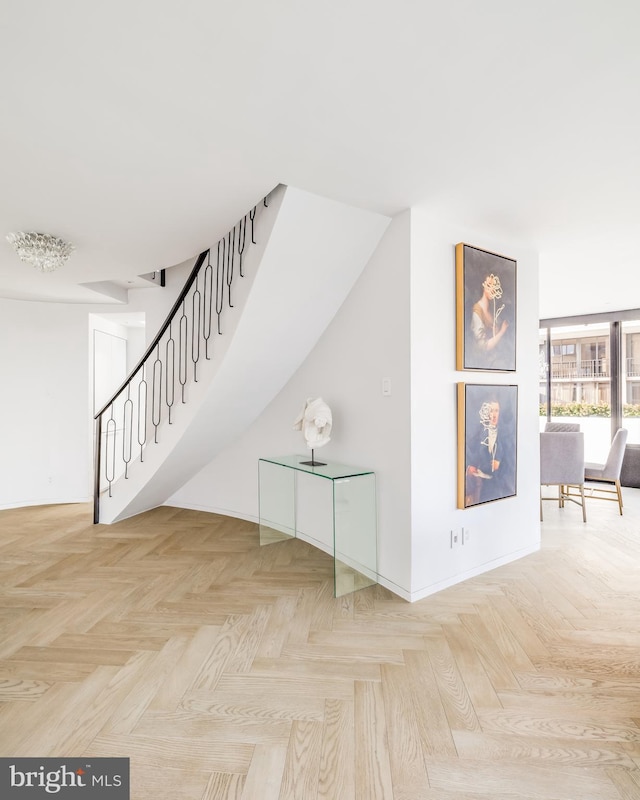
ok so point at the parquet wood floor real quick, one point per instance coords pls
(226, 671)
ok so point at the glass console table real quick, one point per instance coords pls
(332, 506)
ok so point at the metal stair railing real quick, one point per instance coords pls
(148, 395)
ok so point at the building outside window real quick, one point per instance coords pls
(631, 379)
(582, 379)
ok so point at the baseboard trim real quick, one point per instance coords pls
(223, 512)
(48, 502)
(427, 591)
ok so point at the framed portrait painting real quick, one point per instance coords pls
(485, 310)
(487, 443)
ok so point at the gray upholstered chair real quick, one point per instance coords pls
(562, 465)
(561, 427)
(609, 472)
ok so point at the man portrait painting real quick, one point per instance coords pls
(490, 432)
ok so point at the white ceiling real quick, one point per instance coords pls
(141, 131)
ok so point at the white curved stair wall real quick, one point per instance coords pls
(310, 260)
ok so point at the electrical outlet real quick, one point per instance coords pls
(466, 535)
(454, 539)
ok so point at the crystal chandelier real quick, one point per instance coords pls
(41, 250)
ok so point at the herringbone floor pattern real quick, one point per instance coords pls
(226, 670)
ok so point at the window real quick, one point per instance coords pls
(543, 368)
(630, 363)
(633, 395)
(579, 383)
(566, 349)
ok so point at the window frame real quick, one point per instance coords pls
(614, 318)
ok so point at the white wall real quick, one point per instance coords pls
(109, 359)
(499, 531)
(46, 401)
(398, 322)
(44, 404)
(313, 256)
(367, 340)
(46, 445)
(136, 345)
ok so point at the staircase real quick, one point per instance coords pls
(230, 345)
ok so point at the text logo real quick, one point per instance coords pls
(64, 778)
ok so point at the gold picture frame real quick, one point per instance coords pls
(486, 310)
(487, 443)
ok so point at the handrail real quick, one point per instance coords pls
(150, 388)
(160, 334)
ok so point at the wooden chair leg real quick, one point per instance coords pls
(584, 508)
(619, 491)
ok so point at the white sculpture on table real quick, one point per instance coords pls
(315, 422)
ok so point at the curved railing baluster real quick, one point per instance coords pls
(170, 372)
(252, 216)
(182, 352)
(242, 240)
(142, 414)
(150, 388)
(220, 279)
(110, 473)
(156, 394)
(127, 431)
(230, 262)
(207, 303)
(195, 330)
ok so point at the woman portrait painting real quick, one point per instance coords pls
(486, 300)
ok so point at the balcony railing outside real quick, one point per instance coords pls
(633, 367)
(593, 368)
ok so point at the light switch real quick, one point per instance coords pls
(386, 387)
